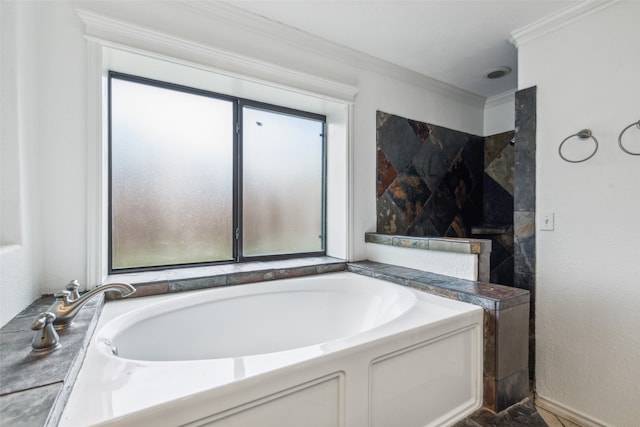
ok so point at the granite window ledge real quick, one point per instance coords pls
(188, 279)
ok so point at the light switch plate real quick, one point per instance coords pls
(547, 221)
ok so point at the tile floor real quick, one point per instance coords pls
(554, 420)
(521, 414)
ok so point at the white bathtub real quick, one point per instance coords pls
(337, 349)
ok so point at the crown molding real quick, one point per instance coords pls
(114, 32)
(501, 98)
(564, 17)
(265, 28)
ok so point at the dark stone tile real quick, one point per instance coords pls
(385, 173)
(489, 346)
(451, 141)
(497, 204)
(441, 209)
(422, 227)
(23, 370)
(506, 239)
(498, 252)
(502, 168)
(431, 163)
(522, 413)
(525, 414)
(382, 239)
(512, 389)
(460, 181)
(524, 183)
(286, 273)
(411, 242)
(524, 280)
(525, 150)
(512, 341)
(471, 214)
(38, 306)
(485, 418)
(489, 392)
(503, 273)
(457, 228)
(397, 140)
(467, 422)
(473, 156)
(390, 219)
(146, 289)
(250, 277)
(331, 268)
(409, 193)
(494, 144)
(524, 242)
(197, 283)
(381, 118)
(422, 130)
(28, 408)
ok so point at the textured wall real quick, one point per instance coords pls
(587, 273)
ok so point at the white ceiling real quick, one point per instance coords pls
(454, 41)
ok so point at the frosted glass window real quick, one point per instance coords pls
(172, 157)
(282, 180)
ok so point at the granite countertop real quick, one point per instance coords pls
(35, 388)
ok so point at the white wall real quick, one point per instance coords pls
(19, 232)
(499, 113)
(462, 266)
(61, 111)
(588, 268)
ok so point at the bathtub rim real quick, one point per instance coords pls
(365, 341)
(106, 335)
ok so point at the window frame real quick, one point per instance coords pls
(237, 228)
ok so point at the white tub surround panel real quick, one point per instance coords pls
(319, 351)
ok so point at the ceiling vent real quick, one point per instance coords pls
(498, 72)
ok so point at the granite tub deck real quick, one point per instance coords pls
(34, 390)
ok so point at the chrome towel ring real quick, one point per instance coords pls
(636, 124)
(583, 134)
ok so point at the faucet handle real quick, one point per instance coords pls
(46, 339)
(63, 295)
(72, 287)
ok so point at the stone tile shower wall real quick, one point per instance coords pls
(497, 206)
(429, 178)
(525, 206)
(438, 182)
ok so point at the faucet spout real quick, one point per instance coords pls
(65, 308)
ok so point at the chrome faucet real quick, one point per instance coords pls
(73, 287)
(65, 307)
